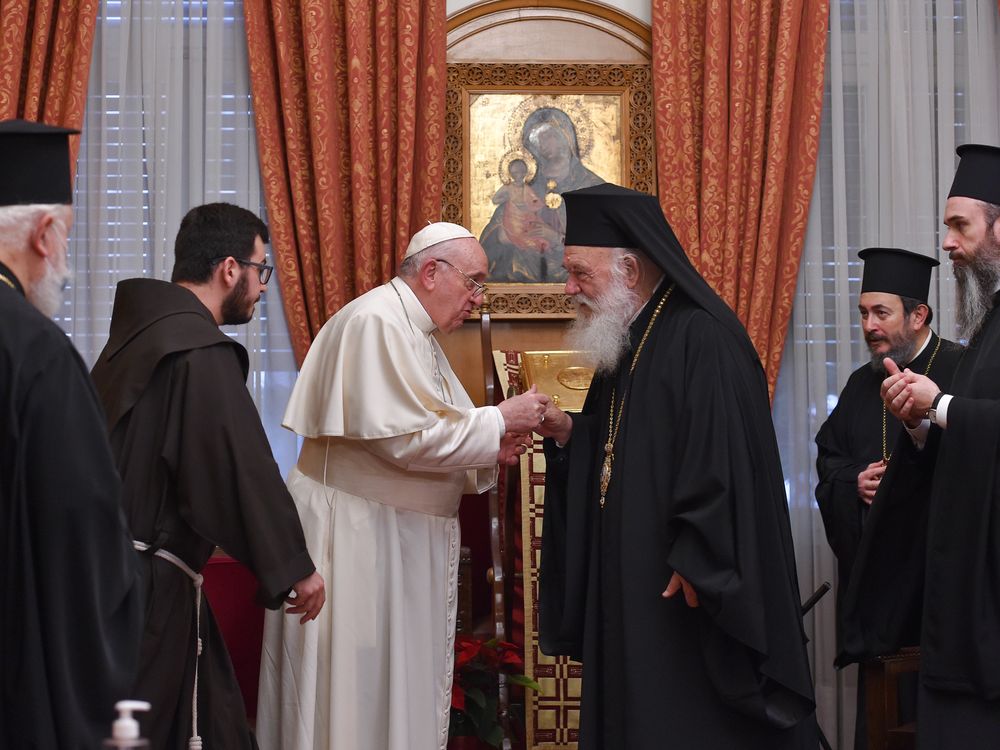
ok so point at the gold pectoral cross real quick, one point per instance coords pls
(606, 470)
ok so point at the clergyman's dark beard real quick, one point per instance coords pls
(901, 351)
(236, 307)
(976, 282)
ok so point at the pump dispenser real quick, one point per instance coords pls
(125, 729)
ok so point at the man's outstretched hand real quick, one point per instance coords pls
(310, 595)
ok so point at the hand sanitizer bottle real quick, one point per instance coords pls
(125, 729)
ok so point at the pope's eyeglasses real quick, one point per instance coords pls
(471, 284)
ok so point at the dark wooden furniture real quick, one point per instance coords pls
(886, 731)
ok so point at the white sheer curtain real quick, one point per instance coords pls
(906, 82)
(169, 126)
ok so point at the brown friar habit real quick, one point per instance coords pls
(934, 528)
(696, 488)
(70, 594)
(197, 472)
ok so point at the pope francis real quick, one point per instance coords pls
(391, 442)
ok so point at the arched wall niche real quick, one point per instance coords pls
(536, 31)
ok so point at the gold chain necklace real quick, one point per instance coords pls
(885, 448)
(613, 422)
(8, 282)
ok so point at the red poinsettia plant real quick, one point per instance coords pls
(474, 692)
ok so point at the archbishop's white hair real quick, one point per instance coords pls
(17, 222)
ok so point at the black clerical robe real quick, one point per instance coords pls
(937, 514)
(851, 439)
(71, 606)
(197, 472)
(696, 487)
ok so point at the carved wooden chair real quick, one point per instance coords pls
(501, 546)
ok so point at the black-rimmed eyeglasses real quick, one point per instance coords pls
(471, 284)
(264, 271)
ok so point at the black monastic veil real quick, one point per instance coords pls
(696, 488)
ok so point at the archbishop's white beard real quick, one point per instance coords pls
(604, 333)
(977, 283)
(46, 294)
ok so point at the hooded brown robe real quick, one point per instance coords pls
(197, 473)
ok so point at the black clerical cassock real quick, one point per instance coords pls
(70, 599)
(696, 488)
(937, 516)
(859, 431)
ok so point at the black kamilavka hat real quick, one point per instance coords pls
(35, 163)
(895, 271)
(978, 173)
(608, 215)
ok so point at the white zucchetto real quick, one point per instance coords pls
(434, 234)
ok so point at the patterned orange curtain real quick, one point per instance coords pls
(45, 60)
(739, 91)
(349, 105)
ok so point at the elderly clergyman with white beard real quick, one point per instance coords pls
(667, 562)
(953, 456)
(70, 600)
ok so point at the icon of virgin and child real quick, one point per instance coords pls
(523, 239)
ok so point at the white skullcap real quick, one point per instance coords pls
(434, 234)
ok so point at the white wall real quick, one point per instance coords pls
(641, 9)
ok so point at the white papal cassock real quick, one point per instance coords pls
(392, 441)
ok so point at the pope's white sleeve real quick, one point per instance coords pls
(469, 442)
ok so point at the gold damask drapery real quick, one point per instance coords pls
(45, 50)
(349, 100)
(738, 93)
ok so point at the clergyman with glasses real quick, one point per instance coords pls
(197, 471)
(391, 441)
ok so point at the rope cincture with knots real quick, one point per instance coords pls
(194, 743)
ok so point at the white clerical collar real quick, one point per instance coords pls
(414, 310)
(930, 335)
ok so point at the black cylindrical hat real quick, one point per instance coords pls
(35, 163)
(895, 271)
(978, 173)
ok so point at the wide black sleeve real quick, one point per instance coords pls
(881, 610)
(562, 588)
(962, 594)
(731, 536)
(81, 586)
(837, 491)
(228, 485)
